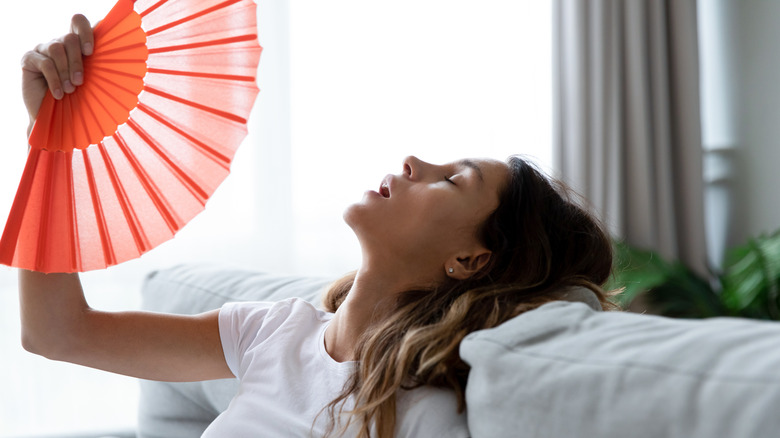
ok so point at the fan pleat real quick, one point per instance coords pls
(14, 224)
(57, 226)
(205, 30)
(192, 17)
(42, 251)
(189, 183)
(92, 106)
(150, 189)
(211, 153)
(217, 132)
(204, 88)
(86, 228)
(121, 94)
(196, 105)
(61, 127)
(67, 135)
(72, 217)
(202, 75)
(178, 200)
(139, 237)
(31, 231)
(97, 207)
(239, 61)
(55, 230)
(150, 9)
(43, 124)
(80, 127)
(118, 42)
(118, 71)
(159, 13)
(201, 44)
(118, 33)
(52, 231)
(132, 52)
(110, 103)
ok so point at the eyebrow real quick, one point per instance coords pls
(473, 166)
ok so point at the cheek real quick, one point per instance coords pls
(440, 229)
(429, 222)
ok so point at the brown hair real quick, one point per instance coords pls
(542, 241)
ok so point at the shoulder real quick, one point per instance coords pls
(257, 321)
(250, 331)
(430, 412)
(269, 312)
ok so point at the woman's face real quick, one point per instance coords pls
(428, 213)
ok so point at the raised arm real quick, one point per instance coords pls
(57, 322)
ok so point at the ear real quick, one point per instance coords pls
(463, 266)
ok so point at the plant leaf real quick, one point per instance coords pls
(636, 271)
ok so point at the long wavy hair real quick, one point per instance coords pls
(542, 240)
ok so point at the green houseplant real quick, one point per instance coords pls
(748, 286)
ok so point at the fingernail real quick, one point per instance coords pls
(68, 87)
(58, 94)
(78, 78)
(87, 49)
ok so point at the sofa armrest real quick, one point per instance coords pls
(565, 369)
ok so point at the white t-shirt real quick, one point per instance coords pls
(277, 351)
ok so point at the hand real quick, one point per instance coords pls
(56, 66)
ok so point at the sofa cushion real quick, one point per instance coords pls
(196, 288)
(179, 410)
(567, 370)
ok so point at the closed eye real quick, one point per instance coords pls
(447, 178)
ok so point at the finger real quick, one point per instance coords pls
(56, 51)
(79, 25)
(35, 62)
(75, 65)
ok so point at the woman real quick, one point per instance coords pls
(447, 250)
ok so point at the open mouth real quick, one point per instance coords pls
(384, 189)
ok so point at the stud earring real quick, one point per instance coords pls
(451, 270)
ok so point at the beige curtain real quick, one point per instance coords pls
(627, 124)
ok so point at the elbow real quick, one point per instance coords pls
(32, 345)
(37, 344)
(54, 345)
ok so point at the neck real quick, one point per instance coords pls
(369, 302)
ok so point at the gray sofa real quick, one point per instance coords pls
(563, 370)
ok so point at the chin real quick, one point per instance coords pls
(352, 215)
(363, 224)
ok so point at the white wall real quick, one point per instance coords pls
(720, 139)
(758, 117)
(739, 41)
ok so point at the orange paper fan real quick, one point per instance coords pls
(121, 164)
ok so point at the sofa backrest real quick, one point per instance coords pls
(565, 369)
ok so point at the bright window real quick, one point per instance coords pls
(373, 82)
(348, 88)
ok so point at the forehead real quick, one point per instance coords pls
(490, 172)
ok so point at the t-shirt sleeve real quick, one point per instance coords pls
(240, 326)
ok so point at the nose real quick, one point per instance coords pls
(413, 167)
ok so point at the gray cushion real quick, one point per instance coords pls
(567, 370)
(184, 410)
